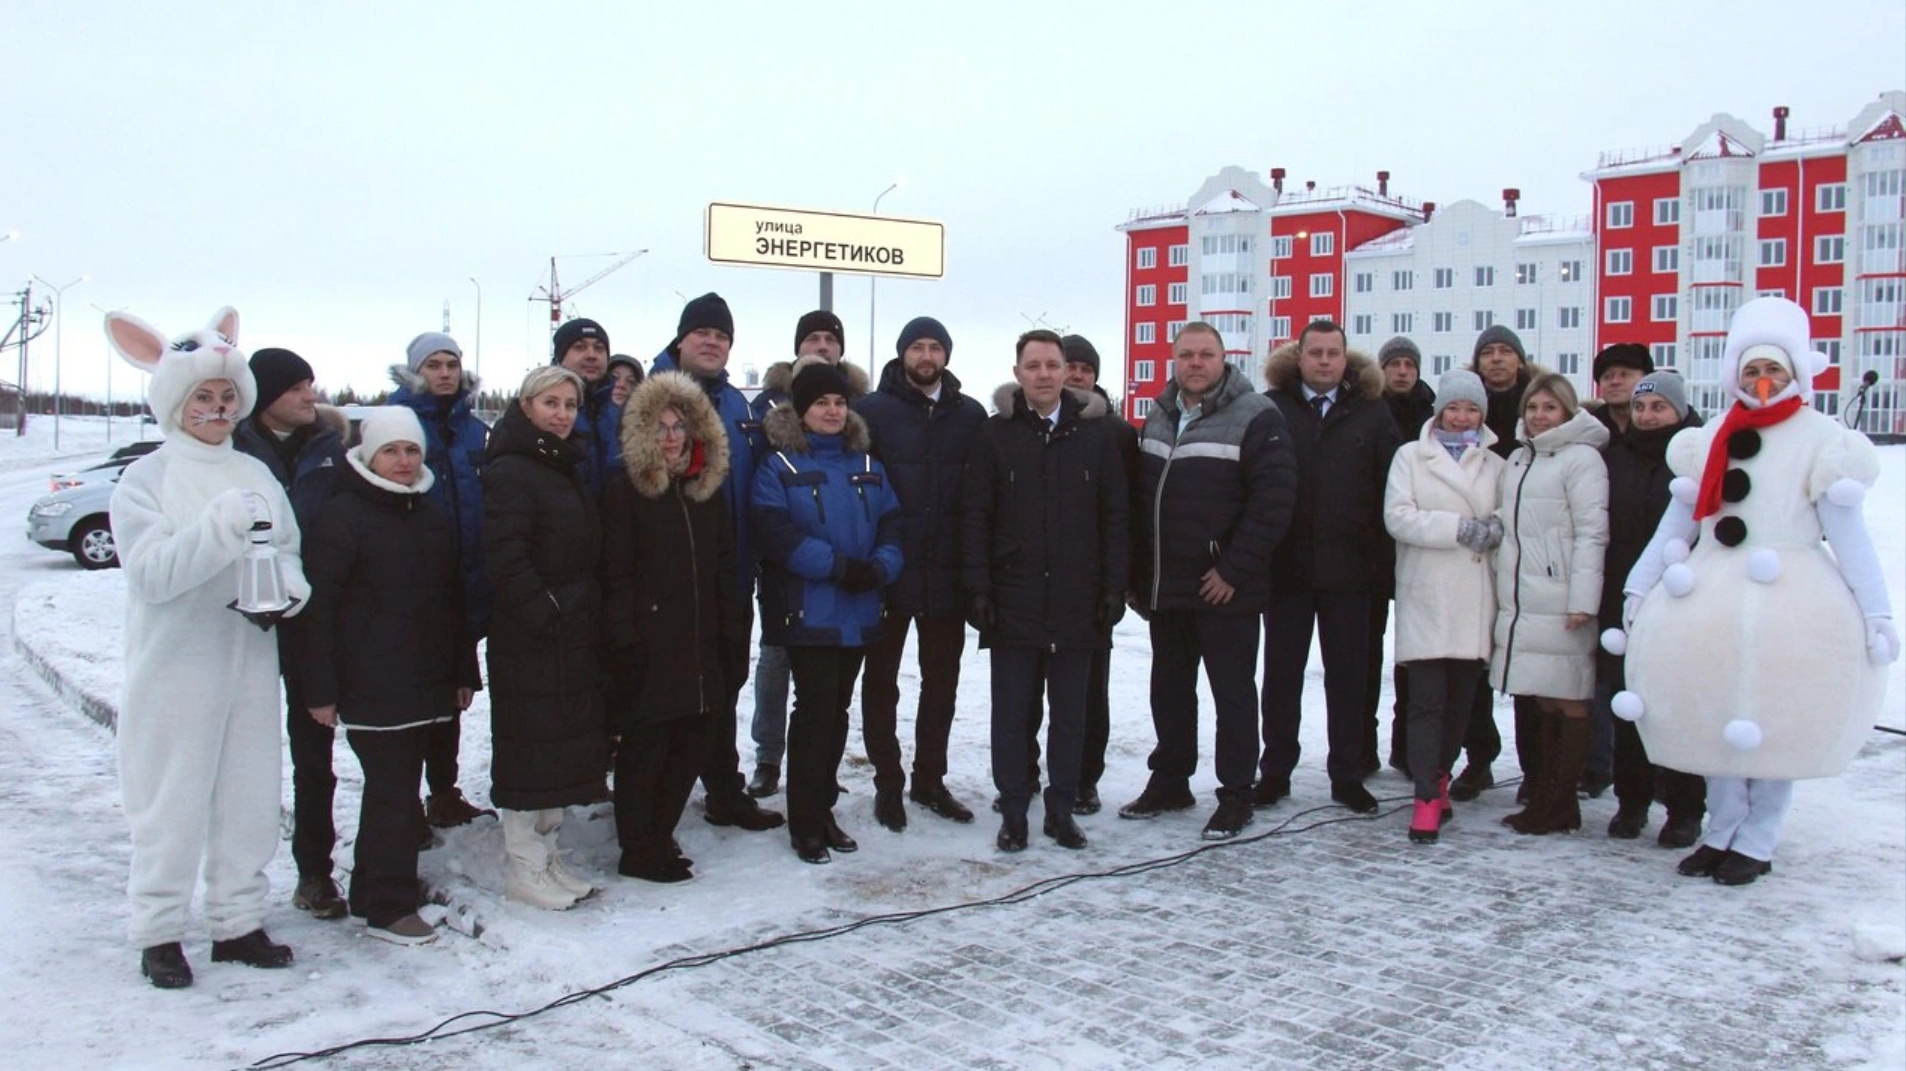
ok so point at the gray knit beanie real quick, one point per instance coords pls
(1495, 333)
(1668, 387)
(430, 342)
(1460, 385)
(1399, 348)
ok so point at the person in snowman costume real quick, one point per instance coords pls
(198, 728)
(1758, 489)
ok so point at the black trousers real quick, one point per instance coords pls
(655, 770)
(817, 732)
(1636, 779)
(1342, 622)
(445, 741)
(1442, 693)
(1021, 676)
(721, 763)
(1483, 742)
(941, 641)
(1227, 646)
(1373, 683)
(1098, 723)
(313, 786)
(384, 872)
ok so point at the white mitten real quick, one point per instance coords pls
(1630, 609)
(231, 511)
(1882, 642)
(1668, 547)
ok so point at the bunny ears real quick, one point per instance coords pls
(142, 345)
(178, 365)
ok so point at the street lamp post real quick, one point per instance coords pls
(479, 326)
(109, 374)
(59, 325)
(873, 282)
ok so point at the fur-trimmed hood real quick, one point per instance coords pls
(779, 378)
(642, 451)
(1361, 373)
(332, 418)
(1091, 404)
(786, 432)
(402, 376)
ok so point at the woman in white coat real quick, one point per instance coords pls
(1549, 588)
(1440, 504)
(198, 725)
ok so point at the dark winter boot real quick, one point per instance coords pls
(1681, 830)
(1630, 819)
(766, 781)
(740, 810)
(1559, 810)
(255, 949)
(165, 965)
(445, 810)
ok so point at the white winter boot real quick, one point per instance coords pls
(526, 873)
(548, 825)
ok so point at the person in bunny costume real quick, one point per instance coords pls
(1760, 597)
(198, 725)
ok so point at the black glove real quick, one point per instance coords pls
(979, 613)
(1111, 611)
(858, 575)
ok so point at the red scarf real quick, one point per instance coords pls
(1737, 418)
(696, 458)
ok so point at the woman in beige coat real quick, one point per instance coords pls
(1549, 587)
(1440, 505)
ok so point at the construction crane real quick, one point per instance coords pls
(557, 296)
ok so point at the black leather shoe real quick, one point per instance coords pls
(1155, 801)
(165, 965)
(1470, 783)
(1737, 869)
(1088, 800)
(1353, 795)
(766, 781)
(1269, 790)
(675, 850)
(1701, 864)
(936, 798)
(1012, 835)
(255, 949)
(1628, 822)
(663, 869)
(812, 850)
(1062, 828)
(888, 810)
(1680, 831)
(837, 838)
(743, 812)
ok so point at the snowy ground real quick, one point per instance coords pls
(1337, 946)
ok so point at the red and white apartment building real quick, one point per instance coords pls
(1680, 235)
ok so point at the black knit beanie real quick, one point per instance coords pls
(924, 327)
(573, 332)
(815, 380)
(819, 320)
(709, 310)
(1079, 351)
(277, 371)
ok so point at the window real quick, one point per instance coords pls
(1148, 257)
(1175, 326)
(1280, 247)
(1569, 364)
(1620, 262)
(1442, 363)
(1180, 255)
(1773, 202)
(1442, 322)
(1147, 295)
(1829, 249)
(1402, 323)
(1773, 291)
(1830, 347)
(1827, 402)
(1141, 371)
(1485, 275)
(1525, 275)
(1621, 214)
(1366, 282)
(1323, 244)
(1711, 308)
(1773, 252)
(1176, 294)
(1403, 280)
(1663, 354)
(1570, 271)
(1445, 278)
(1227, 283)
(1280, 287)
(1141, 407)
(1525, 319)
(1484, 319)
(1568, 316)
(1280, 327)
(1362, 324)
(1145, 331)
(1667, 259)
(1828, 300)
(1882, 183)
(1667, 210)
(1881, 247)
(1664, 307)
(1830, 197)
(1618, 310)
(1323, 284)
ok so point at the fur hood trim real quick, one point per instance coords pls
(1091, 404)
(333, 418)
(642, 451)
(786, 432)
(779, 378)
(402, 376)
(1361, 374)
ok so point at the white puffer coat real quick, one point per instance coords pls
(1445, 592)
(1555, 530)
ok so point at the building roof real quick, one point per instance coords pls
(1360, 198)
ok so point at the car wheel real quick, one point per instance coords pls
(92, 544)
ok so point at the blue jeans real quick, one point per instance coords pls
(770, 728)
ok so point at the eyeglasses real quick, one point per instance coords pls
(671, 431)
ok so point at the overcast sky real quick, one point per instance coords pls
(337, 171)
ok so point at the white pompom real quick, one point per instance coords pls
(1675, 551)
(1684, 489)
(1627, 706)
(1846, 492)
(1615, 642)
(1819, 363)
(1678, 579)
(1741, 734)
(1763, 566)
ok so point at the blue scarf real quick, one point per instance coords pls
(1456, 441)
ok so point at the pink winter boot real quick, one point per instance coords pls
(1425, 819)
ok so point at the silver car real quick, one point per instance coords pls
(74, 517)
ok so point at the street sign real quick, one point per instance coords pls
(764, 237)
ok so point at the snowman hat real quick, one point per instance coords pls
(1775, 328)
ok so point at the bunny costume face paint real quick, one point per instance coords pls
(209, 413)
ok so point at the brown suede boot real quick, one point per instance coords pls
(1560, 811)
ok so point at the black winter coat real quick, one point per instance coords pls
(668, 571)
(1505, 409)
(1046, 528)
(1638, 478)
(923, 445)
(1219, 495)
(1337, 539)
(542, 544)
(1411, 411)
(385, 638)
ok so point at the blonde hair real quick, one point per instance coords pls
(546, 379)
(1556, 386)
